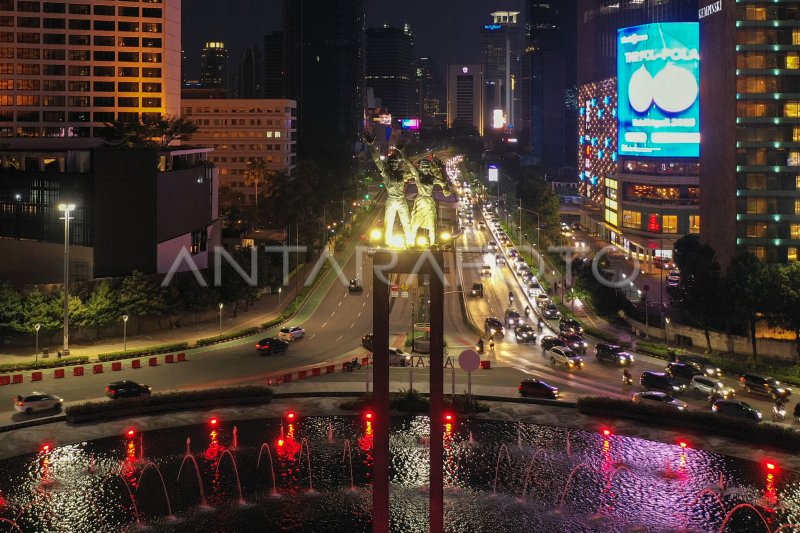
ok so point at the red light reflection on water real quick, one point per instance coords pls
(365, 444)
(128, 467)
(214, 449)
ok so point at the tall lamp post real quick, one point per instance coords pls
(124, 333)
(221, 305)
(280, 289)
(37, 327)
(66, 208)
(666, 331)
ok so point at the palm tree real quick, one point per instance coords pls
(256, 172)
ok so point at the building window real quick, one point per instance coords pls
(755, 13)
(792, 61)
(791, 254)
(694, 223)
(797, 207)
(756, 206)
(669, 224)
(759, 251)
(756, 182)
(632, 219)
(653, 223)
(794, 231)
(756, 230)
(797, 182)
(791, 109)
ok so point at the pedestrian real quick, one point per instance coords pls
(491, 344)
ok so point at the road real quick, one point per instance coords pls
(335, 320)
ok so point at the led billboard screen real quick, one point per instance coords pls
(658, 90)
(409, 123)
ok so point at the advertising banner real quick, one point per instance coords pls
(658, 89)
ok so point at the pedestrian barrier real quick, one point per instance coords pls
(365, 361)
(116, 366)
(316, 371)
(77, 370)
(136, 363)
(181, 357)
(302, 374)
(330, 369)
(37, 376)
(169, 358)
(17, 378)
(58, 373)
(486, 365)
(5, 380)
(97, 369)
(287, 378)
(153, 361)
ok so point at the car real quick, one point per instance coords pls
(271, 345)
(372, 250)
(550, 311)
(613, 353)
(576, 226)
(658, 398)
(684, 371)
(476, 291)
(709, 386)
(492, 247)
(549, 341)
(127, 389)
(355, 285)
(37, 401)
(569, 325)
(366, 341)
(512, 318)
(709, 368)
(524, 333)
(561, 355)
(291, 333)
(574, 341)
(481, 224)
(661, 381)
(513, 253)
(499, 259)
(736, 409)
(526, 275)
(542, 300)
(486, 271)
(535, 387)
(759, 385)
(492, 327)
(398, 357)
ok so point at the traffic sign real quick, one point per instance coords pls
(394, 291)
(646, 288)
(469, 360)
(403, 294)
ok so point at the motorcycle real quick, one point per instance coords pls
(778, 413)
(479, 348)
(349, 366)
(627, 379)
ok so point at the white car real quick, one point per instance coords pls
(561, 355)
(291, 334)
(708, 386)
(37, 401)
(658, 398)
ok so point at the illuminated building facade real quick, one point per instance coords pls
(751, 157)
(501, 56)
(429, 98)
(597, 140)
(214, 66)
(465, 96)
(69, 67)
(240, 129)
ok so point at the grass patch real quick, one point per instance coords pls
(55, 363)
(770, 435)
(152, 350)
(228, 336)
(412, 401)
(168, 401)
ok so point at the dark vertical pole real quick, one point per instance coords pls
(380, 468)
(436, 296)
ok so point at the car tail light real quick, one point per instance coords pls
(519, 387)
(741, 379)
(19, 404)
(258, 346)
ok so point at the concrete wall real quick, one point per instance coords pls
(30, 262)
(721, 342)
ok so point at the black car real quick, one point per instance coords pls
(611, 352)
(736, 409)
(708, 367)
(569, 325)
(661, 381)
(126, 389)
(492, 327)
(764, 386)
(534, 387)
(512, 318)
(574, 341)
(271, 345)
(524, 333)
(548, 342)
(550, 311)
(366, 341)
(476, 291)
(684, 371)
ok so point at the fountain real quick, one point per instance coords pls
(235, 439)
(349, 452)
(530, 467)
(569, 479)
(569, 446)
(519, 437)
(151, 464)
(740, 507)
(235, 471)
(91, 464)
(188, 446)
(265, 446)
(471, 439)
(503, 447)
(130, 495)
(330, 432)
(10, 523)
(304, 442)
(189, 457)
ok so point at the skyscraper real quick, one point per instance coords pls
(119, 60)
(429, 97)
(324, 59)
(390, 69)
(249, 81)
(465, 97)
(274, 70)
(501, 56)
(214, 66)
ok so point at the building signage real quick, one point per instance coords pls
(710, 9)
(409, 123)
(658, 90)
(493, 174)
(492, 27)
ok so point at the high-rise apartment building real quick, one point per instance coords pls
(429, 97)
(502, 47)
(750, 151)
(69, 67)
(390, 69)
(214, 66)
(249, 81)
(465, 96)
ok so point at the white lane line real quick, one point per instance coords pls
(363, 304)
(340, 304)
(312, 336)
(352, 325)
(340, 338)
(325, 324)
(333, 313)
(359, 314)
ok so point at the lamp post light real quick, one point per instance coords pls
(124, 333)
(280, 289)
(66, 208)
(666, 330)
(37, 327)
(221, 305)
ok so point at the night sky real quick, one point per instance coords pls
(447, 30)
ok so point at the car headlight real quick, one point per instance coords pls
(676, 387)
(758, 414)
(681, 407)
(584, 344)
(781, 391)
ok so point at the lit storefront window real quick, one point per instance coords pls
(794, 230)
(791, 254)
(632, 219)
(669, 224)
(694, 223)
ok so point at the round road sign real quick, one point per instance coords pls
(469, 360)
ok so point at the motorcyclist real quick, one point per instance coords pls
(779, 410)
(540, 324)
(527, 311)
(479, 345)
(626, 377)
(491, 344)
(510, 297)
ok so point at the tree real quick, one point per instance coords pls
(537, 195)
(148, 132)
(255, 173)
(751, 288)
(38, 308)
(699, 293)
(101, 309)
(140, 297)
(11, 316)
(787, 313)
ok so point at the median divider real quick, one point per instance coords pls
(37, 376)
(17, 378)
(77, 370)
(305, 372)
(153, 361)
(136, 363)
(98, 368)
(116, 366)
(58, 373)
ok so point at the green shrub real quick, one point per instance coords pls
(771, 435)
(788, 372)
(152, 350)
(54, 363)
(166, 402)
(412, 401)
(228, 336)
(656, 350)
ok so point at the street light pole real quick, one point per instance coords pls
(279, 295)
(666, 330)
(66, 208)
(36, 327)
(221, 305)
(124, 333)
